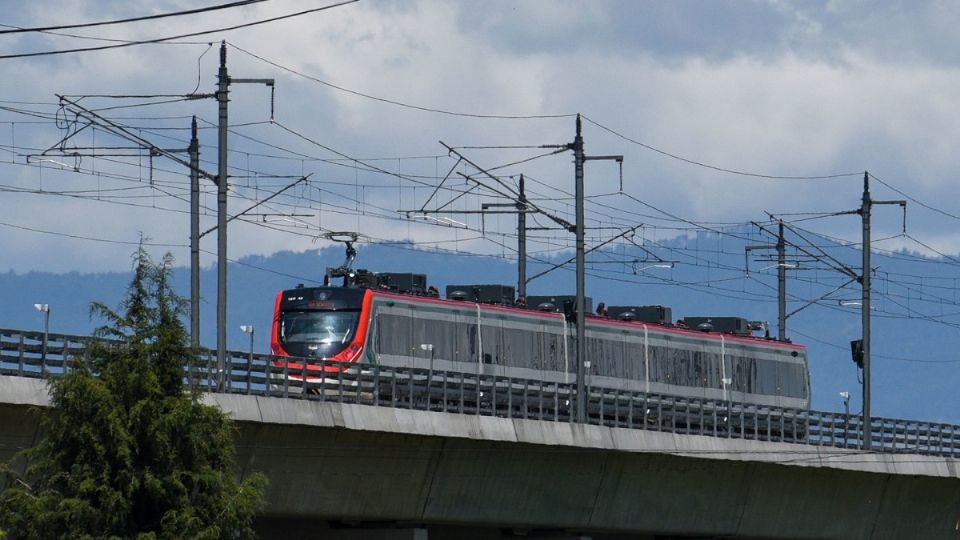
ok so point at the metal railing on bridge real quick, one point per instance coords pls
(462, 392)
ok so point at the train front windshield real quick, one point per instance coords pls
(316, 333)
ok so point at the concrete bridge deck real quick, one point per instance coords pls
(411, 472)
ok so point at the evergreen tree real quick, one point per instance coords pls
(128, 452)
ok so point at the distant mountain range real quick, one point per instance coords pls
(903, 386)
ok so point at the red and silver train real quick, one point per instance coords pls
(366, 323)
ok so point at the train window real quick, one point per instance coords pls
(439, 333)
(783, 379)
(682, 369)
(710, 371)
(698, 370)
(393, 334)
(716, 371)
(552, 345)
(490, 334)
(792, 380)
(653, 363)
(631, 368)
(521, 348)
(328, 327)
(767, 377)
(633, 360)
(467, 340)
(660, 365)
(606, 356)
(743, 372)
(738, 373)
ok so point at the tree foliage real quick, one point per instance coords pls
(128, 452)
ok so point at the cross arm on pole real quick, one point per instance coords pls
(269, 82)
(235, 216)
(594, 248)
(512, 193)
(122, 132)
(902, 203)
(822, 297)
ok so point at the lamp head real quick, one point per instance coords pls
(246, 328)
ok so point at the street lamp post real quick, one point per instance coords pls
(727, 381)
(428, 347)
(248, 329)
(45, 309)
(845, 396)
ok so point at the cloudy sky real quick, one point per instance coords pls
(365, 93)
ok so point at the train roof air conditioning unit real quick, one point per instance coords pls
(402, 282)
(727, 325)
(649, 314)
(482, 294)
(555, 303)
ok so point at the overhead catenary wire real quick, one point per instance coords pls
(716, 167)
(395, 102)
(406, 175)
(141, 18)
(714, 281)
(179, 36)
(694, 226)
(88, 238)
(913, 199)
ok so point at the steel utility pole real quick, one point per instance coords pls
(521, 210)
(194, 236)
(781, 285)
(865, 311)
(781, 247)
(582, 363)
(223, 89)
(522, 242)
(578, 160)
(864, 212)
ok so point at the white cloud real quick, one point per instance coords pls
(803, 96)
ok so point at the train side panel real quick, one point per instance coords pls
(472, 338)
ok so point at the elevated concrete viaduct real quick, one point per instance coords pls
(357, 471)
